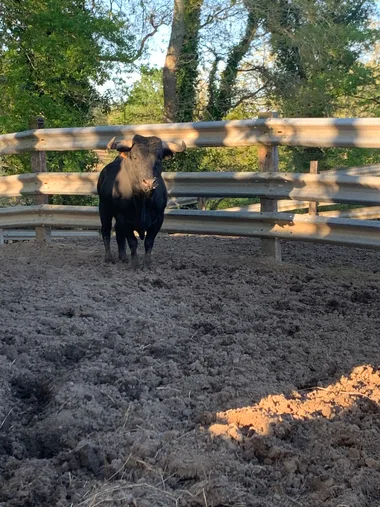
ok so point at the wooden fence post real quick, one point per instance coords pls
(38, 163)
(268, 162)
(202, 203)
(313, 206)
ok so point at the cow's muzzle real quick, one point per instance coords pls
(149, 184)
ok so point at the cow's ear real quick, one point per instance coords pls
(167, 154)
(123, 149)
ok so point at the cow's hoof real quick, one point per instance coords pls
(109, 259)
(123, 257)
(147, 262)
(135, 262)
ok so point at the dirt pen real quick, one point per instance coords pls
(219, 379)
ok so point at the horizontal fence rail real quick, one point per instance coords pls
(369, 213)
(328, 188)
(19, 234)
(311, 132)
(287, 205)
(360, 233)
(373, 169)
(30, 234)
(312, 187)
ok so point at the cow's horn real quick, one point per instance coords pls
(175, 147)
(111, 145)
(125, 143)
(119, 145)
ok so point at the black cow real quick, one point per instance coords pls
(132, 191)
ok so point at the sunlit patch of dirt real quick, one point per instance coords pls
(363, 385)
(321, 446)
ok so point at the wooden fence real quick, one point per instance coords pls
(357, 186)
(269, 225)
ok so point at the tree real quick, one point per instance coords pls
(317, 48)
(221, 96)
(171, 62)
(187, 71)
(50, 61)
(191, 20)
(318, 65)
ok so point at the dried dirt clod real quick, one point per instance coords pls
(256, 446)
(188, 467)
(230, 431)
(90, 457)
(327, 411)
(291, 465)
(282, 430)
(276, 452)
(205, 418)
(372, 463)
(353, 454)
(218, 430)
(356, 481)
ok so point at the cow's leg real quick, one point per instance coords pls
(149, 241)
(132, 243)
(120, 239)
(106, 221)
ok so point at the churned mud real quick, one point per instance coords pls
(219, 379)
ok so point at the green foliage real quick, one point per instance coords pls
(317, 48)
(220, 204)
(214, 159)
(144, 102)
(189, 161)
(51, 58)
(318, 65)
(74, 200)
(230, 159)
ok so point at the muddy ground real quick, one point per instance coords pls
(219, 379)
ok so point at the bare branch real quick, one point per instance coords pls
(259, 68)
(155, 27)
(376, 100)
(124, 59)
(214, 16)
(248, 96)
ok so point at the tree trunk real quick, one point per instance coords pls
(171, 62)
(187, 73)
(220, 100)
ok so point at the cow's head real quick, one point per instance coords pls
(144, 158)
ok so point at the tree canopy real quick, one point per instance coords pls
(224, 59)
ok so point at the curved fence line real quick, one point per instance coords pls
(360, 233)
